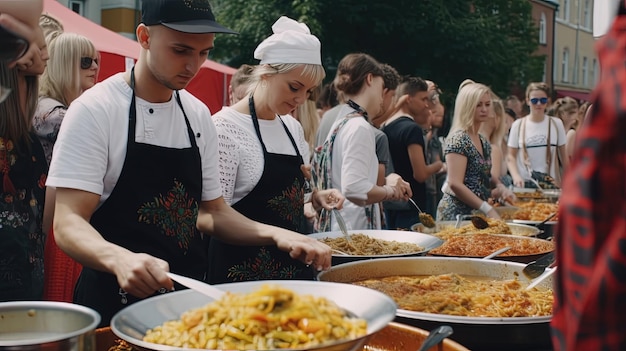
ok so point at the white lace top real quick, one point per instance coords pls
(240, 153)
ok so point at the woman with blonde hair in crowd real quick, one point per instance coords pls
(263, 154)
(72, 69)
(468, 156)
(494, 129)
(567, 110)
(537, 143)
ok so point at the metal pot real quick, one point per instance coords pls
(50, 326)
(132, 322)
(516, 228)
(427, 242)
(523, 333)
(547, 230)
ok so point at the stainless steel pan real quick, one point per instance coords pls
(524, 333)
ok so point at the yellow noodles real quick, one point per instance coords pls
(269, 318)
(457, 295)
(365, 245)
(496, 226)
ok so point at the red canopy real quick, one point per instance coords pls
(210, 84)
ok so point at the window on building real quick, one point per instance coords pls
(594, 72)
(77, 6)
(565, 66)
(545, 71)
(585, 72)
(542, 29)
(586, 20)
(565, 10)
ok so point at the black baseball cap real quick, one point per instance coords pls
(187, 16)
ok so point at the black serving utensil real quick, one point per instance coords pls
(536, 268)
(435, 337)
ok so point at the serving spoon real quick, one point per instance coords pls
(477, 221)
(344, 229)
(536, 268)
(436, 336)
(497, 252)
(201, 287)
(426, 219)
(542, 277)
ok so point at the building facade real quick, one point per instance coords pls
(544, 14)
(119, 16)
(576, 64)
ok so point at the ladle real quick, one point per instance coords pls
(478, 221)
(427, 220)
(536, 268)
(436, 336)
(541, 278)
(534, 181)
(201, 287)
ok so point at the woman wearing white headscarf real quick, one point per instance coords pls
(263, 152)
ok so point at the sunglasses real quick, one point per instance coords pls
(535, 101)
(85, 62)
(13, 46)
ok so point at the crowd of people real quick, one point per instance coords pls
(133, 177)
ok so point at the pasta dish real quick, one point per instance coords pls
(533, 211)
(366, 245)
(267, 319)
(496, 226)
(481, 245)
(457, 295)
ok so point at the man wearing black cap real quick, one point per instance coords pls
(136, 175)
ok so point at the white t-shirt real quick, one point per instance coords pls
(355, 169)
(91, 148)
(241, 159)
(536, 140)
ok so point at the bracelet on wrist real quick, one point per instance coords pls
(485, 207)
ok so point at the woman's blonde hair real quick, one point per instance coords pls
(310, 121)
(497, 134)
(465, 106)
(315, 72)
(61, 79)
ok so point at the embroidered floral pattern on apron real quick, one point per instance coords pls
(262, 267)
(175, 213)
(289, 202)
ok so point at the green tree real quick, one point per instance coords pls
(490, 41)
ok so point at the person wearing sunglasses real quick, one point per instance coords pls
(537, 143)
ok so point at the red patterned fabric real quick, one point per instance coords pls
(60, 272)
(590, 295)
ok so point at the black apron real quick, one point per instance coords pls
(277, 199)
(153, 209)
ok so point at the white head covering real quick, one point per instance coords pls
(292, 42)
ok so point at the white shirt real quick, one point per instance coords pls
(241, 159)
(536, 139)
(91, 148)
(355, 169)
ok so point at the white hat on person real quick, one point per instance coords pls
(292, 42)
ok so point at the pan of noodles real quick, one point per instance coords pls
(259, 315)
(368, 244)
(484, 301)
(446, 229)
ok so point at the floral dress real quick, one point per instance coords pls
(477, 174)
(24, 173)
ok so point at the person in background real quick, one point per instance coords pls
(239, 84)
(347, 159)
(408, 149)
(494, 129)
(567, 110)
(468, 156)
(71, 69)
(436, 143)
(23, 169)
(136, 173)
(583, 111)
(50, 24)
(510, 119)
(263, 151)
(306, 113)
(516, 105)
(590, 284)
(537, 143)
(327, 99)
(329, 117)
